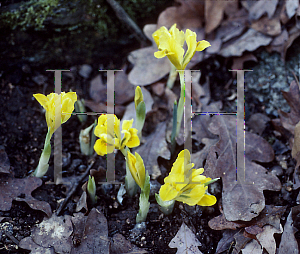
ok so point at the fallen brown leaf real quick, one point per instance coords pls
(189, 14)
(119, 245)
(288, 242)
(291, 7)
(15, 188)
(241, 200)
(267, 26)
(250, 41)
(261, 7)
(54, 232)
(147, 69)
(214, 12)
(266, 238)
(67, 234)
(289, 120)
(185, 241)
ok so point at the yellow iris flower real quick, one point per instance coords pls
(193, 191)
(170, 44)
(137, 168)
(48, 102)
(111, 139)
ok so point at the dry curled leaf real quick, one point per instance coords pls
(289, 120)
(189, 14)
(20, 190)
(242, 200)
(288, 242)
(259, 8)
(214, 11)
(250, 41)
(67, 234)
(53, 233)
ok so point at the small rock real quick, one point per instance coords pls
(277, 170)
(85, 70)
(40, 79)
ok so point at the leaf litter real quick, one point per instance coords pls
(226, 22)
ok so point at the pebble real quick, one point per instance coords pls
(85, 70)
(277, 170)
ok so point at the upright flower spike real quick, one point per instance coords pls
(137, 169)
(91, 190)
(138, 97)
(186, 184)
(49, 102)
(140, 110)
(170, 43)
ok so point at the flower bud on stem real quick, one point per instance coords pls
(130, 184)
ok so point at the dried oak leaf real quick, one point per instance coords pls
(20, 190)
(53, 233)
(119, 245)
(185, 241)
(289, 120)
(288, 242)
(124, 92)
(266, 238)
(267, 26)
(249, 41)
(259, 8)
(155, 146)
(67, 234)
(241, 200)
(278, 43)
(291, 7)
(189, 14)
(269, 216)
(94, 237)
(263, 240)
(147, 69)
(252, 247)
(214, 12)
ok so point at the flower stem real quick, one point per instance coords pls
(43, 165)
(173, 135)
(144, 201)
(172, 77)
(165, 206)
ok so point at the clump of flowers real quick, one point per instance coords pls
(59, 108)
(110, 139)
(185, 184)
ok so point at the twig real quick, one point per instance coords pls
(124, 17)
(73, 189)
